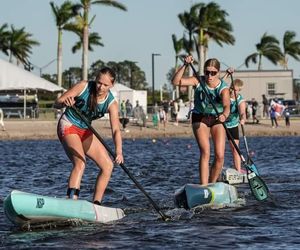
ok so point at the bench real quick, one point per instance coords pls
(17, 113)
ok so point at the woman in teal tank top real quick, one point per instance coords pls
(93, 99)
(205, 121)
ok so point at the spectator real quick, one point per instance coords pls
(162, 117)
(139, 114)
(254, 110)
(123, 109)
(175, 111)
(166, 106)
(265, 106)
(155, 118)
(273, 116)
(286, 114)
(1, 119)
(128, 106)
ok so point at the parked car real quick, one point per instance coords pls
(293, 106)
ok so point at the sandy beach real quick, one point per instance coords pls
(38, 129)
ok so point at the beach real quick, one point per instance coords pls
(38, 129)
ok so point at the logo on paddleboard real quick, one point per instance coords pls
(40, 202)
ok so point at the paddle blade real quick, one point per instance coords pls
(251, 166)
(258, 187)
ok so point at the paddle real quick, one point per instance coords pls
(82, 117)
(258, 187)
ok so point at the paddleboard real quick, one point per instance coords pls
(214, 194)
(232, 176)
(26, 208)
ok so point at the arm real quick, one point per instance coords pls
(116, 132)
(226, 104)
(179, 80)
(67, 98)
(242, 112)
(229, 71)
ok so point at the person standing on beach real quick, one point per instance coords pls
(1, 120)
(273, 116)
(286, 114)
(254, 106)
(205, 121)
(237, 115)
(93, 99)
(265, 106)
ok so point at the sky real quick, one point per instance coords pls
(147, 27)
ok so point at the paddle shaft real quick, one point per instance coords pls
(112, 153)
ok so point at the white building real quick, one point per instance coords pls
(272, 83)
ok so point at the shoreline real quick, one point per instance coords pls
(39, 129)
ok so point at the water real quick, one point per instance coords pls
(161, 167)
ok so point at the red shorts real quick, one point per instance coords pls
(65, 127)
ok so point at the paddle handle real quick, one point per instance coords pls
(112, 153)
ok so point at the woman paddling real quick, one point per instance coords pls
(93, 99)
(204, 119)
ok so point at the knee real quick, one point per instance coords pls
(205, 155)
(219, 157)
(79, 167)
(107, 170)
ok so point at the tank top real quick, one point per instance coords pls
(82, 103)
(234, 118)
(201, 101)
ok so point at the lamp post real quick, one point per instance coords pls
(153, 98)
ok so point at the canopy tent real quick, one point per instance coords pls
(13, 77)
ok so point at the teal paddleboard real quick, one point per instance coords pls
(23, 208)
(214, 194)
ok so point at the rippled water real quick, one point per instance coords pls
(161, 167)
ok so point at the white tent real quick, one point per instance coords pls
(122, 92)
(13, 77)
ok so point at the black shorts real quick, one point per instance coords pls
(234, 133)
(208, 120)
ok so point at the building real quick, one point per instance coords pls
(272, 83)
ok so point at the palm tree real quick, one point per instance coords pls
(178, 46)
(86, 5)
(20, 45)
(188, 21)
(94, 39)
(211, 25)
(290, 47)
(4, 34)
(62, 15)
(269, 48)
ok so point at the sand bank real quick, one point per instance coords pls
(37, 129)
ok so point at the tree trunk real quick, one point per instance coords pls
(85, 52)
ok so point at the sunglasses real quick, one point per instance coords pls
(212, 73)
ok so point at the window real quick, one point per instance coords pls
(271, 88)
